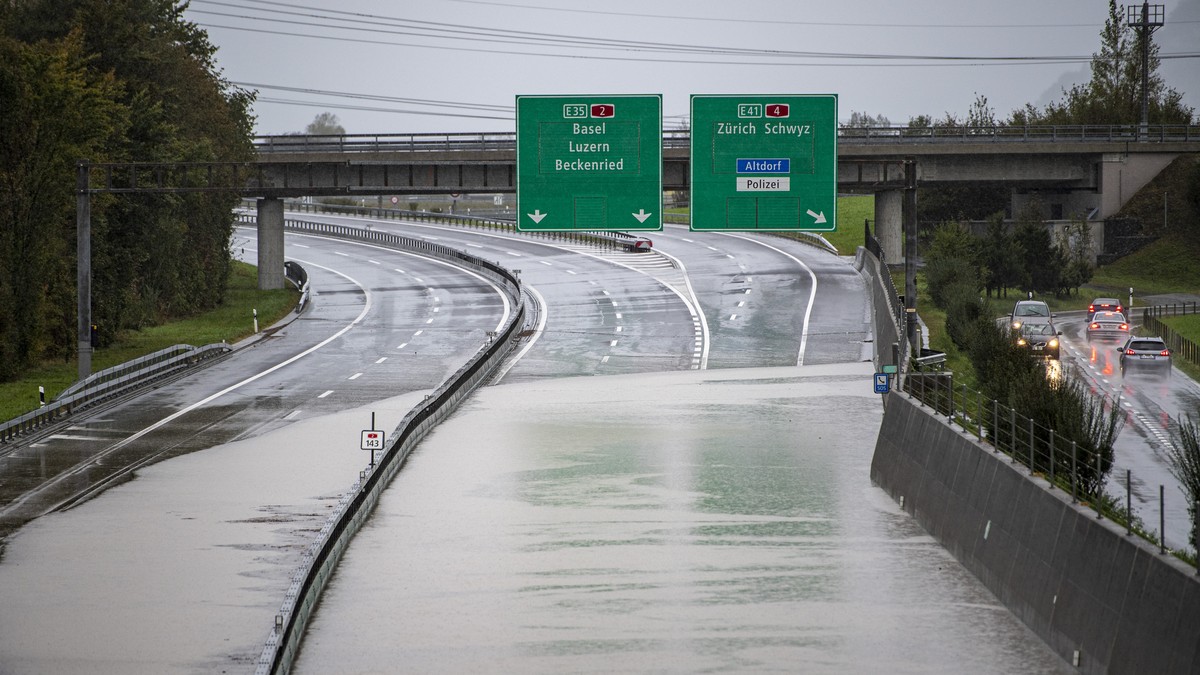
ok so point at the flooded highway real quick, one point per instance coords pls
(661, 518)
(718, 521)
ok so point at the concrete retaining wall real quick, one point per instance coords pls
(1078, 582)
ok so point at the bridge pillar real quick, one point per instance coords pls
(270, 243)
(889, 223)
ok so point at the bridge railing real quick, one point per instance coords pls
(680, 138)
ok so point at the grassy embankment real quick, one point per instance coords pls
(231, 322)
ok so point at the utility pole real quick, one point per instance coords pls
(910, 252)
(1145, 18)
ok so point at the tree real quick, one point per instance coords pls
(137, 82)
(862, 120)
(325, 124)
(1113, 95)
(998, 257)
(55, 111)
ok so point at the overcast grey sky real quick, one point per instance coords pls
(478, 54)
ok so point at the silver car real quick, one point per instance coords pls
(1145, 353)
(1108, 325)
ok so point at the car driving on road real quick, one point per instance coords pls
(1104, 305)
(1146, 354)
(1034, 311)
(1111, 325)
(1041, 339)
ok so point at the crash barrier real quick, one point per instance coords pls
(296, 274)
(509, 225)
(890, 319)
(1104, 601)
(110, 382)
(321, 558)
(1179, 345)
(479, 222)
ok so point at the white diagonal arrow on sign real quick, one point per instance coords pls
(820, 217)
(537, 215)
(641, 215)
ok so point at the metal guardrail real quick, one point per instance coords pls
(111, 382)
(681, 138)
(1179, 345)
(319, 561)
(495, 224)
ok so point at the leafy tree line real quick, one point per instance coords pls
(108, 81)
(1025, 257)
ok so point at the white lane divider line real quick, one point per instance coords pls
(732, 317)
(604, 359)
(381, 360)
(356, 376)
(401, 271)
(613, 343)
(291, 415)
(326, 394)
(572, 272)
(418, 333)
(428, 321)
(374, 262)
(402, 346)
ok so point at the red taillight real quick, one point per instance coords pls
(1095, 326)
(1091, 308)
(1124, 326)
(1165, 352)
(1130, 352)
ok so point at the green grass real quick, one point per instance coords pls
(1169, 265)
(231, 322)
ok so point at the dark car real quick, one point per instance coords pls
(1145, 353)
(1041, 339)
(1029, 310)
(1108, 325)
(1104, 305)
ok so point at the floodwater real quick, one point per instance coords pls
(182, 569)
(702, 521)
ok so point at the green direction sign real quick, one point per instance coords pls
(764, 162)
(589, 163)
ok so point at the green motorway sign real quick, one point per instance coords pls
(589, 163)
(764, 162)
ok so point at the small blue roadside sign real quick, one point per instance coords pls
(881, 383)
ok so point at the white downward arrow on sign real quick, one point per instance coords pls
(641, 215)
(537, 216)
(820, 217)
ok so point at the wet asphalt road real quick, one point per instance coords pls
(380, 324)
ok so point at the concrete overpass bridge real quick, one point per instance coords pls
(1085, 172)
(1073, 171)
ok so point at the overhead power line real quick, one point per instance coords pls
(475, 34)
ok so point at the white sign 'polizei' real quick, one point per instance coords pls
(748, 184)
(372, 439)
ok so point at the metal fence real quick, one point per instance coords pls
(1179, 345)
(1050, 456)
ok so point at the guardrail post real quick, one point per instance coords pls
(1162, 519)
(995, 425)
(1074, 474)
(1128, 502)
(1032, 459)
(1051, 459)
